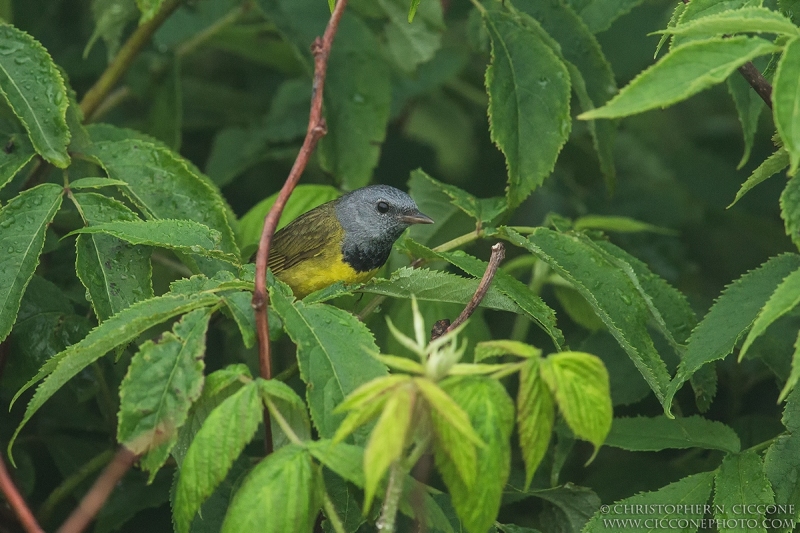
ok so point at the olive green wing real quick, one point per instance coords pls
(305, 237)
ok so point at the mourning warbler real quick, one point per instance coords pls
(346, 239)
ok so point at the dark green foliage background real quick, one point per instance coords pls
(235, 104)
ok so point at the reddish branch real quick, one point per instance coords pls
(321, 50)
(17, 502)
(100, 491)
(498, 254)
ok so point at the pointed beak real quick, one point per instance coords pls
(416, 218)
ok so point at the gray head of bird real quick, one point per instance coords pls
(373, 217)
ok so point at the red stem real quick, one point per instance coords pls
(321, 50)
(94, 500)
(17, 502)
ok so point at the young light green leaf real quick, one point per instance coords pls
(730, 317)
(281, 495)
(447, 409)
(744, 20)
(641, 434)
(35, 91)
(579, 384)
(790, 208)
(344, 459)
(162, 184)
(748, 107)
(600, 14)
(684, 72)
(23, 223)
(784, 299)
(610, 291)
(483, 210)
(163, 380)
(304, 198)
(535, 416)
(741, 491)
(692, 492)
(531, 304)
(223, 436)
(491, 413)
(778, 161)
(795, 375)
(437, 286)
(330, 352)
(149, 8)
(19, 151)
(529, 93)
(388, 439)
(487, 349)
(786, 101)
(116, 331)
(115, 274)
(594, 80)
(782, 467)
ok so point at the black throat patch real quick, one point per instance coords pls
(366, 257)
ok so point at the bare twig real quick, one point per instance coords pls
(757, 81)
(498, 254)
(316, 129)
(100, 491)
(124, 59)
(17, 502)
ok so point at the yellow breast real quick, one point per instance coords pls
(318, 272)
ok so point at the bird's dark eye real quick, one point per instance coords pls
(383, 207)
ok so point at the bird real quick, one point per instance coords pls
(347, 239)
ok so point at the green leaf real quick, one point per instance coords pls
(744, 20)
(437, 286)
(223, 436)
(447, 410)
(531, 304)
(748, 107)
(17, 152)
(409, 43)
(535, 416)
(677, 13)
(786, 101)
(450, 220)
(34, 89)
(304, 198)
(149, 8)
(782, 468)
(346, 460)
(684, 72)
(23, 223)
(795, 375)
(180, 235)
(491, 413)
(691, 492)
(739, 486)
(641, 434)
(116, 331)
(162, 184)
(483, 210)
(280, 495)
(162, 382)
(110, 19)
(279, 396)
(115, 274)
(778, 161)
(581, 49)
(790, 208)
(784, 299)
(730, 317)
(609, 290)
(94, 183)
(579, 384)
(487, 349)
(600, 14)
(618, 224)
(240, 306)
(575, 504)
(330, 353)
(529, 93)
(706, 8)
(388, 439)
